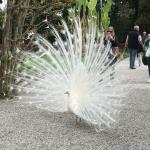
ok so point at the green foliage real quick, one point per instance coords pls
(144, 23)
(80, 3)
(92, 5)
(144, 15)
(105, 14)
(122, 17)
(96, 8)
(126, 13)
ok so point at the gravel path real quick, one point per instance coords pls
(24, 127)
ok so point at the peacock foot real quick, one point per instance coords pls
(78, 120)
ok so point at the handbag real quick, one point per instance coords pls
(144, 59)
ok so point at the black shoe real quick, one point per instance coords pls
(132, 68)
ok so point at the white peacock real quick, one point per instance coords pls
(72, 75)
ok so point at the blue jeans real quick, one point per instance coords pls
(133, 53)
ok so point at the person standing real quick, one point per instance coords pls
(132, 42)
(147, 49)
(140, 54)
(114, 53)
(112, 38)
(141, 49)
(144, 36)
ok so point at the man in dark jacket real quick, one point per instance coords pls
(132, 42)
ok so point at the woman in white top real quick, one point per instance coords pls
(147, 48)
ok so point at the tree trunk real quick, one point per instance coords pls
(12, 33)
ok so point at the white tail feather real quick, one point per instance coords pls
(74, 77)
